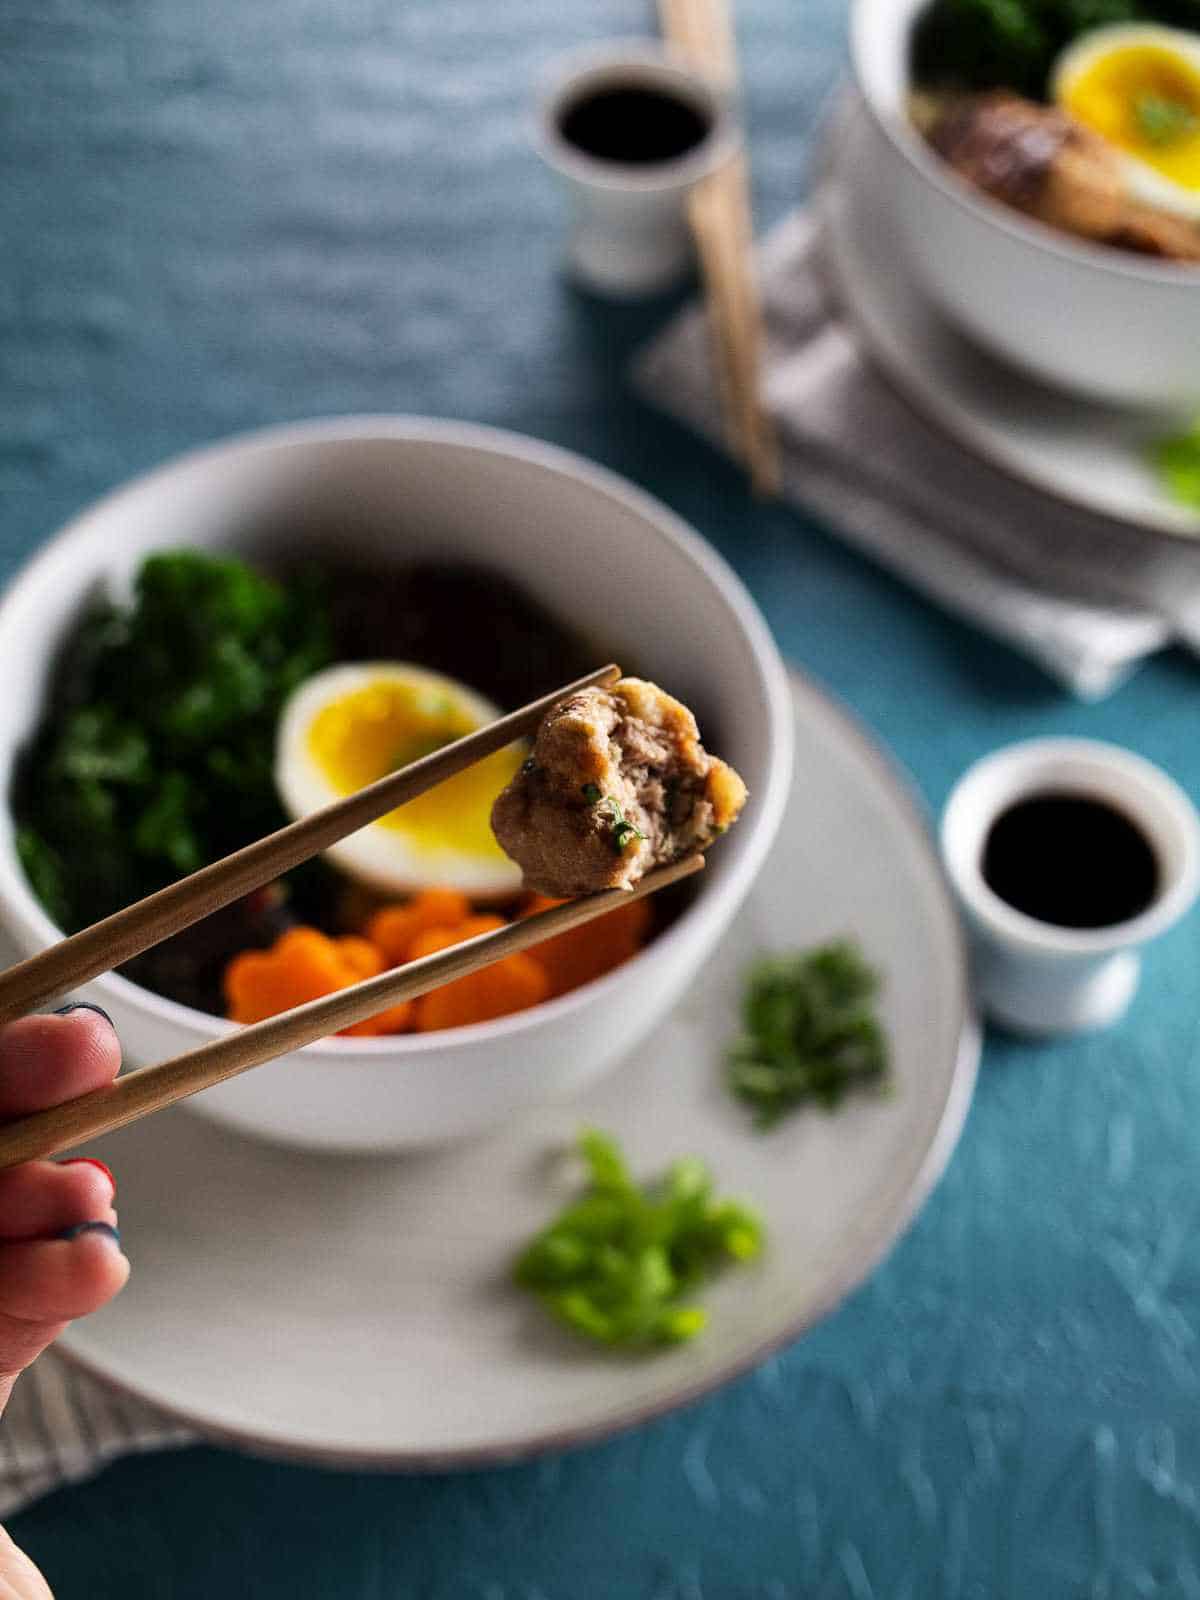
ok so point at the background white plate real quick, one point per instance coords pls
(359, 1310)
(1088, 454)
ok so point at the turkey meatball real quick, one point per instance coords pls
(617, 783)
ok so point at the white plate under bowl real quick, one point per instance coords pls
(358, 1310)
(1093, 456)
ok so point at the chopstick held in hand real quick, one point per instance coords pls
(138, 1094)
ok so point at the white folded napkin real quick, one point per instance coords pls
(62, 1426)
(1086, 598)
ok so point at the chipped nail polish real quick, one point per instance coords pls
(105, 1228)
(90, 1161)
(83, 1005)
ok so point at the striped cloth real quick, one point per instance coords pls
(61, 1426)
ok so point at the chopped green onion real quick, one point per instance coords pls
(1176, 459)
(809, 1032)
(623, 830)
(591, 794)
(1163, 120)
(618, 1264)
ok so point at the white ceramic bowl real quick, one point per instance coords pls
(1103, 322)
(592, 548)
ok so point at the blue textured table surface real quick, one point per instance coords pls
(218, 215)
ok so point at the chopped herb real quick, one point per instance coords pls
(622, 833)
(1177, 461)
(1163, 120)
(623, 830)
(810, 1032)
(617, 1263)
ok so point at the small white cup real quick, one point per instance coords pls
(629, 233)
(1036, 977)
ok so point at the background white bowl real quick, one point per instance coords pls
(1103, 322)
(593, 549)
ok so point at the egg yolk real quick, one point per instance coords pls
(386, 724)
(1145, 99)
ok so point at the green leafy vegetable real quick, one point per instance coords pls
(44, 870)
(1163, 120)
(156, 751)
(1177, 462)
(622, 829)
(809, 1032)
(617, 1264)
(988, 44)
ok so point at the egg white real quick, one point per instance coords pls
(381, 857)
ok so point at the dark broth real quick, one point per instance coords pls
(633, 126)
(1070, 860)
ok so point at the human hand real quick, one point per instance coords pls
(60, 1254)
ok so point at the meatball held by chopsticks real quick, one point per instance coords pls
(618, 783)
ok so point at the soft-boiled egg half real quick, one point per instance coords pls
(1138, 86)
(346, 726)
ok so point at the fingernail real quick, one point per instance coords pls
(83, 1005)
(90, 1161)
(106, 1228)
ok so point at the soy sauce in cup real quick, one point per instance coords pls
(633, 124)
(1067, 857)
(1072, 860)
(631, 128)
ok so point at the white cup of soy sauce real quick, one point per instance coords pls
(631, 128)
(1067, 855)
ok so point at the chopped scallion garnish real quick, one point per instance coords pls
(810, 1032)
(618, 1264)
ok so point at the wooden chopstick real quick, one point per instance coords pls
(138, 1094)
(719, 214)
(703, 29)
(127, 933)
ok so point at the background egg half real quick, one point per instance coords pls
(346, 726)
(1138, 86)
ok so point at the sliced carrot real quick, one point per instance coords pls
(363, 958)
(396, 1019)
(584, 953)
(304, 964)
(495, 991)
(394, 927)
(431, 940)
(506, 986)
